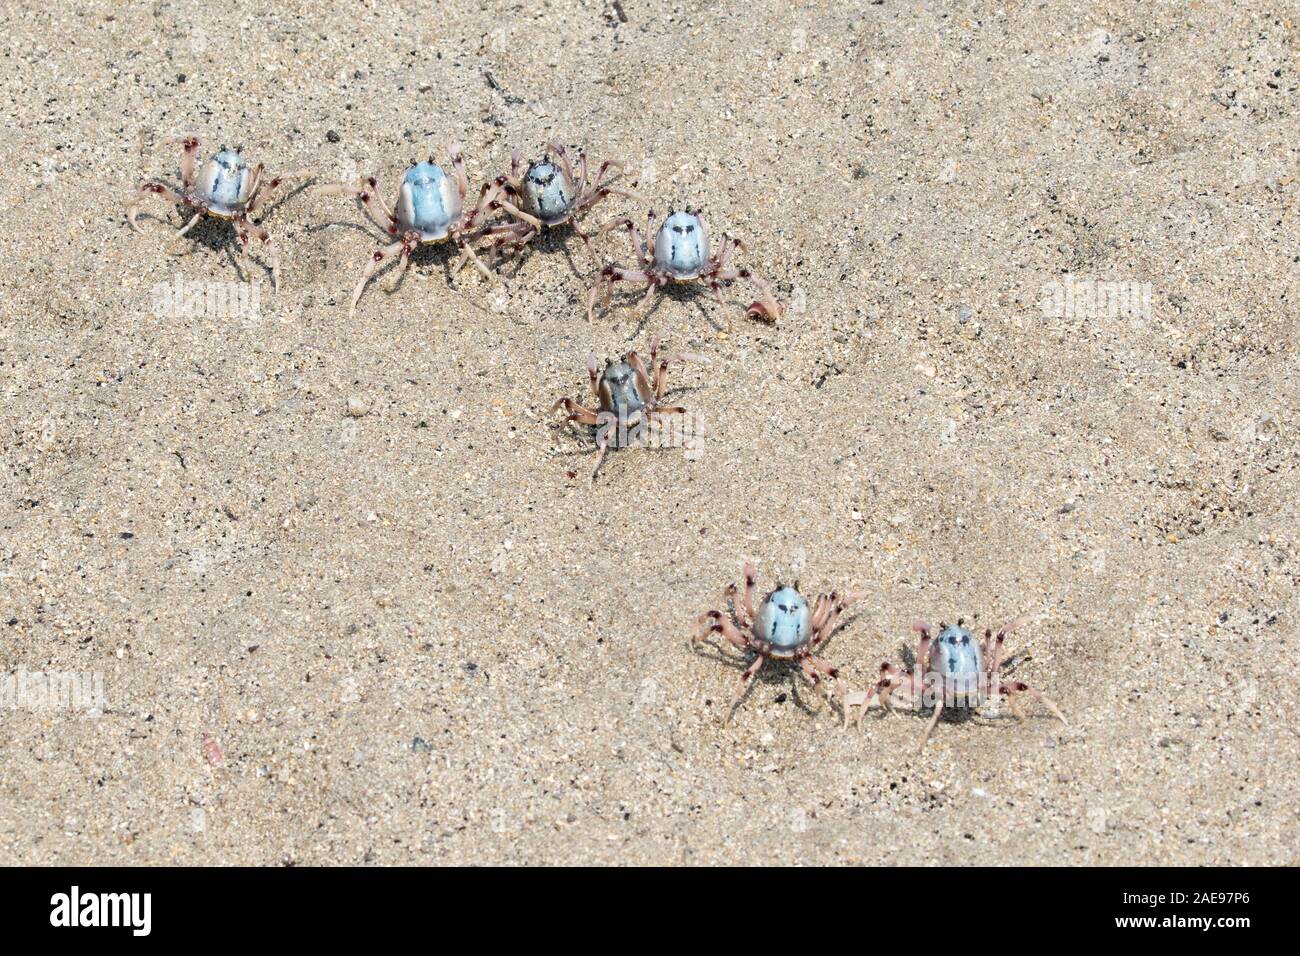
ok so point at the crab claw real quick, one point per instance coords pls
(762, 311)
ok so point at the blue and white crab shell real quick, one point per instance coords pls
(682, 246)
(428, 202)
(784, 622)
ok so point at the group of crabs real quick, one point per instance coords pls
(953, 672)
(511, 211)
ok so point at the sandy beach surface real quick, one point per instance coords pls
(1042, 260)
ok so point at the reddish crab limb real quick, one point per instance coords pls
(638, 367)
(832, 608)
(634, 237)
(1019, 687)
(245, 228)
(518, 213)
(155, 189)
(767, 306)
(748, 673)
(820, 666)
(996, 661)
(189, 225)
(367, 192)
(611, 274)
(717, 623)
(577, 413)
(377, 258)
(263, 190)
(751, 582)
(923, 648)
(814, 678)
(189, 148)
(929, 728)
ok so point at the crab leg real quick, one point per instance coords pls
(923, 647)
(486, 199)
(661, 377)
(604, 192)
(748, 673)
(189, 225)
(883, 691)
(155, 189)
(577, 413)
(189, 147)
(264, 237)
(242, 238)
(254, 180)
(751, 580)
(638, 368)
(821, 608)
(577, 231)
(377, 258)
(814, 678)
(938, 710)
(467, 250)
(667, 410)
(616, 165)
(558, 149)
(263, 191)
(634, 237)
(731, 597)
(522, 234)
(602, 443)
(833, 673)
(834, 610)
(661, 369)
(729, 245)
(767, 307)
(608, 276)
(458, 164)
(995, 661)
(518, 213)
(720, 624)
(581, 182)
(402, 261)
(593, 372)
(1019, 687)
(368, 192)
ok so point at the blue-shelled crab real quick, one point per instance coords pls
(954, 672)
(627, 399)
(225, 187)
(681, 252)
(784, 627)
(548, 194)
(430, 209)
